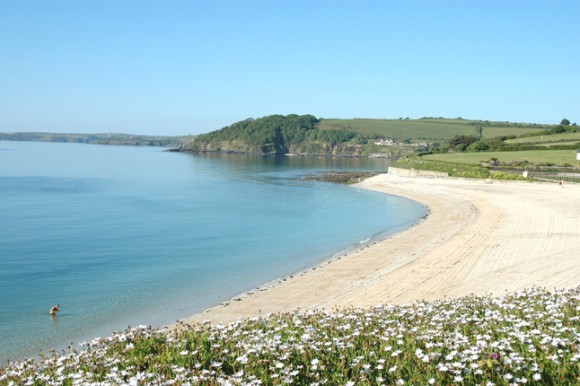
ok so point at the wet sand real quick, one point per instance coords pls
(479, 238)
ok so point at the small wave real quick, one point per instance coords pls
(364, 241)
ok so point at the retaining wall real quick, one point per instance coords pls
(416, 173)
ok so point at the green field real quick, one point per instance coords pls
(417, 130)
(564, 137)
(552, 144)
(498, 131)
(556, 157)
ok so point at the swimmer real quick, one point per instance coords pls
(54, 310)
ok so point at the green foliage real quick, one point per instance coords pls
(478, 146)
(271, 134)
(278, 134)
(461, 142)
(332, 136)
(499, 175)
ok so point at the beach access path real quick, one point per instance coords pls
(480, 237)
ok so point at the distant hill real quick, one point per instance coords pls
(99, 139)
(306, 134)
(429, 129)
(278, 134)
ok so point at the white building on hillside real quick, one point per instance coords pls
(386, 142)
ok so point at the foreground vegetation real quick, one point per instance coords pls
(529, 337)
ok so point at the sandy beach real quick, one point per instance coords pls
(479, 238)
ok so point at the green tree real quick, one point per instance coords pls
(565, 122)
(478, 146)
(462, 142)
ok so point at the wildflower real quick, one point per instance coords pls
(536, 377)
(458, 365)
(458, 378)
(400, 382)
(431, 381)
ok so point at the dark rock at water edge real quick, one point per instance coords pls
(341, 177)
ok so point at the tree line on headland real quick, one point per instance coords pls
(275, 134)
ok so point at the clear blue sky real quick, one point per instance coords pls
(184, 67)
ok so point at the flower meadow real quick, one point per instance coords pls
(529, 337)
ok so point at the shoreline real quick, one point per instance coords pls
(477, 238)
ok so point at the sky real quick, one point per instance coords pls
(178, 67)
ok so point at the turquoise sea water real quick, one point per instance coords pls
(123, 236)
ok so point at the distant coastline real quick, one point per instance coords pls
(97, 139)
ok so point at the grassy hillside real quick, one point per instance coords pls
(428, 129)
(545, 139)
(538, 157)
(550, 154)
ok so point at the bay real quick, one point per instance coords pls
(123, 236)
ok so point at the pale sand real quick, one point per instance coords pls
(479, 238)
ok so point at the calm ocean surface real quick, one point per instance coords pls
(123, 236)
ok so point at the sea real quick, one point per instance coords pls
(123, 236)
